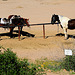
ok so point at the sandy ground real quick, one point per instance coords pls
(38, 11)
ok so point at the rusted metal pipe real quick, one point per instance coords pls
(43, 31)
(9, 26)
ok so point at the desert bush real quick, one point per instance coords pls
(69, 63)
(10, 64)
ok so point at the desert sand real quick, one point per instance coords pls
(38, 11)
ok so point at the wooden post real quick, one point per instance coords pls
(43, 31)
(19, 33)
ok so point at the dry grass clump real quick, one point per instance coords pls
(19, 7)
(4, 0)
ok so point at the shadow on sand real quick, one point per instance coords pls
(23, 33)
(69, 36)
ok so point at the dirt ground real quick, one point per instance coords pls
(38, 11)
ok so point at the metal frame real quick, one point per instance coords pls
(8, 26)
